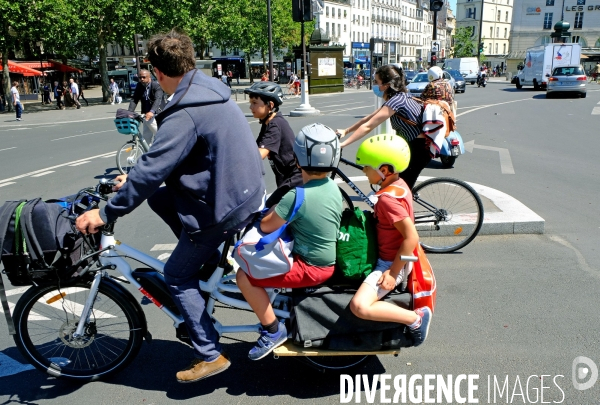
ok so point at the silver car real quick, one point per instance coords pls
(565, 79)
(418, 84)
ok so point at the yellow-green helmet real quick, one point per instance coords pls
(384, 150)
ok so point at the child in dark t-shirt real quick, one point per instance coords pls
(276, 138)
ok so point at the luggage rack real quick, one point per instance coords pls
(288, 349)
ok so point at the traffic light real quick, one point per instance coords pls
(436, 5)
(139, 45)
(302, 10)
(481, 47)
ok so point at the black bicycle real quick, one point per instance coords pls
(448, 212)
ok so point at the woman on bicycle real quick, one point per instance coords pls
(276, 138)
(406, 115)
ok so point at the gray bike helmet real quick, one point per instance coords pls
(267, 90)
(317, 148)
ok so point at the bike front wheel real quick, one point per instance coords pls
(128, 156)
(448, 214)
(46, 318)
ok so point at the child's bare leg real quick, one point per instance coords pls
(257, 297)
(365, 305)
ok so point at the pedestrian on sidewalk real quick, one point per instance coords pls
(58, 93)
(597, 71)
(225, 79)
(16, 100)
(114, 90)
(74, 92)
(46, 94)
(81, 93)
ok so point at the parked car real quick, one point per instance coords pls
(459, 80)
(571, 79)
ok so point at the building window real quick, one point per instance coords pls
(547, 21)
(344, 13)
(327, 11)
(549, 2)
(504, 49)
(581, 2)
(498, 19)
(496, 49)
(506, 18)
(339, 13)
(327, 28)
(236, 51)
(472, 12)
(339, 30)
(490, 48)
(491, 32)
(578, 20)
(344, 27)
(505, 32)
(497, 32)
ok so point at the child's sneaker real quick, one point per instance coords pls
(420, 334)
(267, 342)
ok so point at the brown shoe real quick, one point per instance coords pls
(199, 369)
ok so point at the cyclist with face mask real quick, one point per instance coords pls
(406, 115)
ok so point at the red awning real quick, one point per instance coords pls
(14, 67)
(64, 68)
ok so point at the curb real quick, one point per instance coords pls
(514, 217)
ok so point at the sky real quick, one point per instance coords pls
(453, 6)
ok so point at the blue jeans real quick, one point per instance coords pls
(19, 109)
(182, 272)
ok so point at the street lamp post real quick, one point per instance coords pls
(436, 5)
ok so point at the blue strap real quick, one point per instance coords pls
(272, 237)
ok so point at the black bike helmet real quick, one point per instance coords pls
(267, 91)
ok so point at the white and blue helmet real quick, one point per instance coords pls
(317, 148)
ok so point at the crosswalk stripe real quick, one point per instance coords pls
(43, 173)
(596, 111)
(163, 246)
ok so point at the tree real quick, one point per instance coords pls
(464, 45)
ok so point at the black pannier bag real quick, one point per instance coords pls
(45, 248)
(322, 319)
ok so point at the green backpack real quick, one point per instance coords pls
(356, 250)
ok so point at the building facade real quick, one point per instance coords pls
(534, 21)
(490, 24)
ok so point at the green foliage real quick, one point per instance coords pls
(464, 45)
(71, 28)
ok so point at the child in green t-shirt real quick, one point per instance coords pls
(314, 228)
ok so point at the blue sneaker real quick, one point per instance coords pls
(267, 342)
(420, 334)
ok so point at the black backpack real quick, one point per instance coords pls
(39, 244)
(321, 318)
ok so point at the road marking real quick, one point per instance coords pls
(63, 122)
(54, 167)
(17, 129)
(16, 291)
(9, 366)
(164, 246)
(164, 256)
(80, 163)
(492, 105)
(43, 173)
(14, 147)
(506, 166)
(7, 184)
(75, 136)
(346, 109)
(596, 111)
(109, 155)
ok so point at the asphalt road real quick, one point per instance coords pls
(509, 307)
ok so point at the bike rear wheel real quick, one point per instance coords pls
(46, 318)
(448, 214)
(128, 156)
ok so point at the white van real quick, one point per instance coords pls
(541, 60)
(468, 67)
